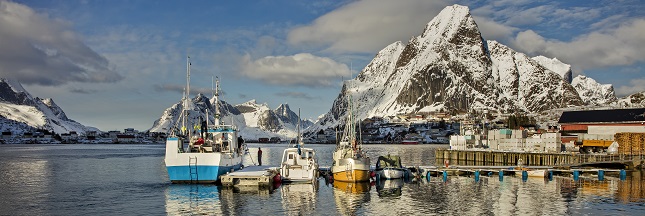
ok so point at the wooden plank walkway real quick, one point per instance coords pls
(262, 176)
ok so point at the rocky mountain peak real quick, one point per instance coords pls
(592, 92)
(450, 67)
(19, 106)
(555, 65)
(448, 22)
(11, 91)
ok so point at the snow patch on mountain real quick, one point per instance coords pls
(592, 92)
(633, 100)
(555, 65)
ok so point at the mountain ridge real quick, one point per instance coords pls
(450, 67)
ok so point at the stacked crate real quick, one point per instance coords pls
(552, 142)
(457, 142)
(630, 143)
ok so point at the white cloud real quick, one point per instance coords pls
(367, 26)
(494, 30)
(301, 69)
(635, 85)
(296, 95)
(40, 50)
(624, 45)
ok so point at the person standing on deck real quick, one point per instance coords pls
(260, 156)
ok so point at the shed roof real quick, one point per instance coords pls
(603, 116)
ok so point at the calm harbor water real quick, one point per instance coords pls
(132, 180)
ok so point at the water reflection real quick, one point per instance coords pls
(350, 196)
(192, 199)
(389, 187)
(33, 178)
(300, 198)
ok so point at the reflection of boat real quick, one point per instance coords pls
(192, 200)
(352, 187)
(246, 189)
(299, 164)
(350, 196)
(350, 164)
(389, 167)
(389, 188)
(211, 153)
(299, 199)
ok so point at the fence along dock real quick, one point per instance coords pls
(557, 160)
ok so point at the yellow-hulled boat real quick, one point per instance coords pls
(350, 164)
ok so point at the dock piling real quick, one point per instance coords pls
(576, 175)
(445, 176)
(476, 175)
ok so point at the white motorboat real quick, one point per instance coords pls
(299, 164)
(389, 167)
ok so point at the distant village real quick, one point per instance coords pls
(127, 136)
(418, 128)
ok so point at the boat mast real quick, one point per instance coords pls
(298, 137)
(186, 99)
(217, 112)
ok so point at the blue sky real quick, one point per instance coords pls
(117, 64)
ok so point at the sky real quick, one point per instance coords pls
(119, 64)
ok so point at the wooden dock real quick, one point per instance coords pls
(262, 176)
(430, 172)
(561, 160)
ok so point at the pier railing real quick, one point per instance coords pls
(507, 158)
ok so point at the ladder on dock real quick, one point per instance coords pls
(192, 165)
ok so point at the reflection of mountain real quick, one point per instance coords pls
(350, 196)
(192, 200)
(389, 187)
(299, 198)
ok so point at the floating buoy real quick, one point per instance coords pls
(623, 175)
(277, 178)
(601, 175)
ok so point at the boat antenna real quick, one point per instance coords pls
(217, 111)
(298, 141)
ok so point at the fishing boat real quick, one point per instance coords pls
(389, 167)
(350, 162)
(211, 152)
(299, 164)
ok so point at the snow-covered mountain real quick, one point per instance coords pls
(450, 67)
(592, 92)
(21, 112)
(253, 120)
(555, 65)
(633, 100)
